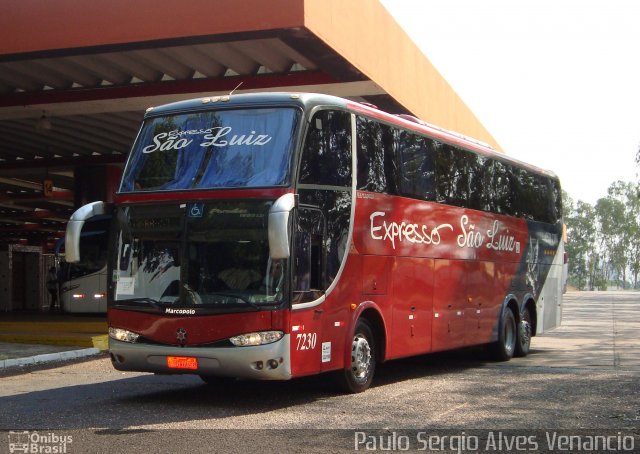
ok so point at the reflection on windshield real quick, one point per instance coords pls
(148, 269)
(221, 272)
(219, 258)
(215, 149)
(94, 256)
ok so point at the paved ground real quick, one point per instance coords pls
(599, 331)
(583, 378)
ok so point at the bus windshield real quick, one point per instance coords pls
(209, 255)
(213, 149)
(93, 244)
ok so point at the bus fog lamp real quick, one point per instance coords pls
(123, 335)
(252, 339)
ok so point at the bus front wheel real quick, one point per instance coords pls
(358, 374)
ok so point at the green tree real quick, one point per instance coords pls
(629, 195)
(581, 244)
(604, 240)
(610, 213)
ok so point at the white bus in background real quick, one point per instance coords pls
(83, 285)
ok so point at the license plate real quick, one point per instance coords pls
(182, 362)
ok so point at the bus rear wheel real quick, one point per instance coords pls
(524, 335)
(358, 374)
(504, 348)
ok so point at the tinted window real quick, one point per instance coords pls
(502, 201)
(214, 149)
(326, 158)
(556, 194)
(378, 165)
(417, 166)
(518, 192)
(321, 241)
(395, 161)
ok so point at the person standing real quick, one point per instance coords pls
(52, 287)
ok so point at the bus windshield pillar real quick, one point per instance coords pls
(74, 228)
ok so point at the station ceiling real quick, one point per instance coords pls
(58, 112)
(76, 78)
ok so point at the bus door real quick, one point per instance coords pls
(308, 277)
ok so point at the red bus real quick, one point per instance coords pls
(272, 236)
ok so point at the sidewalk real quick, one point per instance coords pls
(41, 337)
(12, 355)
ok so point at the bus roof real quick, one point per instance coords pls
(310, 100)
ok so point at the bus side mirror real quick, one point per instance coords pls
(278, 227)
(74, 228)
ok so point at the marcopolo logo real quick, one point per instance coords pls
(37, 442)
(170, 310)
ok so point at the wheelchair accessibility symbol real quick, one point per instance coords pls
(196, 210)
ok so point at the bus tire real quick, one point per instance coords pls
(524, 335)
(504, 348)
(358, 374)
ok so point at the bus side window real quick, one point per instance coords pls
(417, 166)
(378, 162)
(326, 157)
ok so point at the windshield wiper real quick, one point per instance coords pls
(197, 299)
(149, 301)
(238, 297)
(140, 303)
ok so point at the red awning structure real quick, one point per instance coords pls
(75, 78)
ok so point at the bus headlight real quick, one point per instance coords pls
(261, 338)
(123, 335)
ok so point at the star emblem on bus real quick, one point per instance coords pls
(181, 335)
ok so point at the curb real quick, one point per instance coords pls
(49, 357)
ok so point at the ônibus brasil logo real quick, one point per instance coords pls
(36, 442)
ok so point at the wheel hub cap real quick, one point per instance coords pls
(360, 357)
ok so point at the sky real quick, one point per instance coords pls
(555, 82)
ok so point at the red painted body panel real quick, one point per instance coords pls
(397, 226)
(449, 304)
(484, 300)
(436, 275)
(376, 273)
(453, 266)
(201, 329)
(307, 330)
(333, 322)
(412, 308)
(428, 277)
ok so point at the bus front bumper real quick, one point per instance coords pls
(264, 362)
